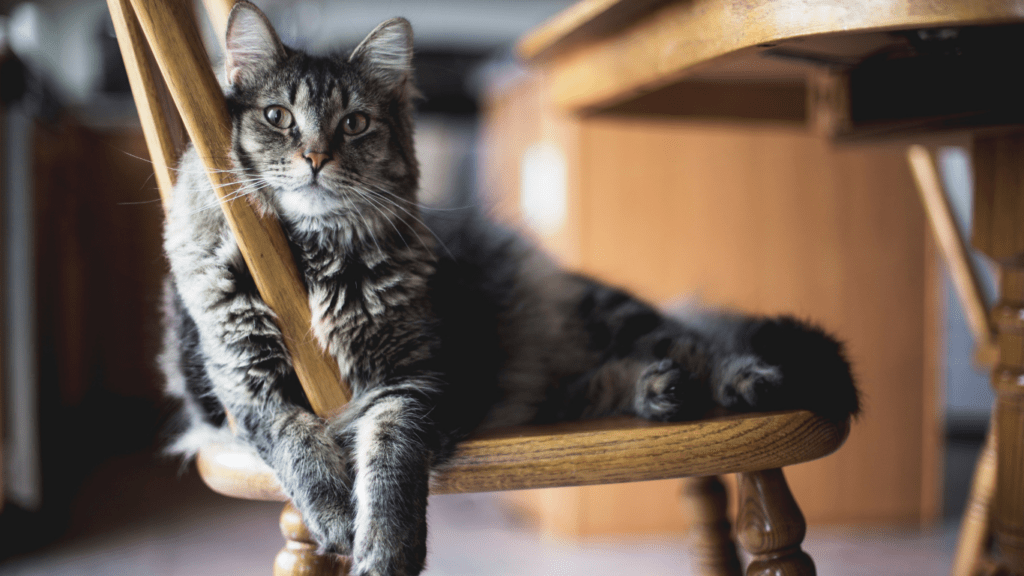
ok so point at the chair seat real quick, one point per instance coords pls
(601, 451)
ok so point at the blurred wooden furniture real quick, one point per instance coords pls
(974, 531)
(851, 72)
(616, 450)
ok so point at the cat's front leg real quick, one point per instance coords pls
(392, 448)
(251, 376)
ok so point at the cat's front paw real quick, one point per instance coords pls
(330, 525)
(746, 382)
(665, 391)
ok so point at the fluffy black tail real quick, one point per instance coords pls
(816, 374)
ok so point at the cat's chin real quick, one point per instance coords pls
(309, 201)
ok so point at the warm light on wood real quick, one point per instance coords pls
(161, 124)
(218, 11)
(953, 246)
(299, 557)
(182, 59)
(602, 52)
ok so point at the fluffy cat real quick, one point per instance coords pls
(441, 324)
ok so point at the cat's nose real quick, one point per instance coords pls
(316, 159)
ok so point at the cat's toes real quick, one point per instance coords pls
(747, 382)
(667, 392)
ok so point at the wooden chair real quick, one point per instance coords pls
(159, 39)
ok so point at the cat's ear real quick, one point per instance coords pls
(387, 52)
(251, 42)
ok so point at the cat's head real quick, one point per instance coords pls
(322, 136)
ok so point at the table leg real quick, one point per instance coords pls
(999, 233)
(1008, 381)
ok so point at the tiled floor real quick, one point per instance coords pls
(136, 517)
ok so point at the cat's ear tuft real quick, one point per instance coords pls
(251, 43)
(387, 53)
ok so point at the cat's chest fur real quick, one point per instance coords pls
(368, 300)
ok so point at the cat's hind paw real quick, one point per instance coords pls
(746, 382)
(665, 391)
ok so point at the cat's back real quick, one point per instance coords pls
(503, 303)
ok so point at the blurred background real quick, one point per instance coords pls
(85, 490)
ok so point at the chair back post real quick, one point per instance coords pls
(161, 125)
(218, 11)
(174, 41)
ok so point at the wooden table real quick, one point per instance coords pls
(852, 72)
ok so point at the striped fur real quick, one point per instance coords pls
(435, 341)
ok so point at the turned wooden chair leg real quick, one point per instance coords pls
(712, 547)
(975, 534)
(299, 556)
(770, 526)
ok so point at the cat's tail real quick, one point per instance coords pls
(775, 363)
(816, 374)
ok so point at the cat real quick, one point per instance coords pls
(442, 323)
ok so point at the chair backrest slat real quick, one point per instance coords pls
(218, 11)
(161, 125)
(174, 40)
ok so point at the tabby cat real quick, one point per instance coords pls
(441, 324)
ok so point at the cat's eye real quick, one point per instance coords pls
(355, 123)
(278, 116)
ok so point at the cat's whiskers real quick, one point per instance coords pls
(379, 209)
(385, 196)
(382, 186)
(384, 201)
(250, 187)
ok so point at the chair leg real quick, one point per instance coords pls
(711, 542)
(975, 534)
(299, 556)
(771, 527)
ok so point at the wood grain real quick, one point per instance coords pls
(582, 453)
(597, 59)
(175, 43)
(771, 527)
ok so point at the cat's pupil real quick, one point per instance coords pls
(355, 123)
(278, 116)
